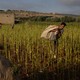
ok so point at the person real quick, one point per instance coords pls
(53, 33)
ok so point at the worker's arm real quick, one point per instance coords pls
(58, 32)
(54, 30)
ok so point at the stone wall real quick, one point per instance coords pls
(7, 18)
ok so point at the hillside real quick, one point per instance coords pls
(25, 14)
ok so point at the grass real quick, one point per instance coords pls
(26, 50)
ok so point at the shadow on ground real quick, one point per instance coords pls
(70, 73)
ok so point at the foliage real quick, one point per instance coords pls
(51, 19)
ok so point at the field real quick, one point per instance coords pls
(33, 56)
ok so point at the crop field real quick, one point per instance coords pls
(34, 57)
